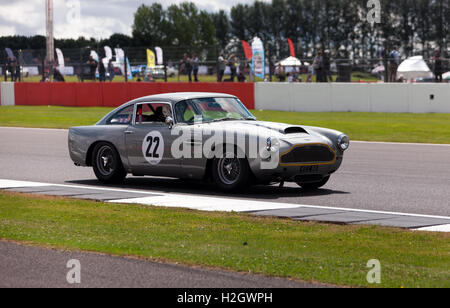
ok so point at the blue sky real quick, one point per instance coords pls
(97, 18)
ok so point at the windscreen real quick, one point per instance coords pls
(205, 110)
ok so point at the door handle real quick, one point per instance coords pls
(129, 132)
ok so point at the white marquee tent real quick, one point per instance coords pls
(291, 61)
(414, 67)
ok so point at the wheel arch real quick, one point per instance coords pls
(91, 150)
(222, 147)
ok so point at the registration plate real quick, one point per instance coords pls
(309, 169)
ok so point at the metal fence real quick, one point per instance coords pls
(32, 63)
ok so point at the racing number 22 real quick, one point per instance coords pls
(153, 141)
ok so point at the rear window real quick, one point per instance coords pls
(122, 117)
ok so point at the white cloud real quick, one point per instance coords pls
(99, 18)
(5, 30)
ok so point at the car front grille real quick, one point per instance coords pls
(309, 154)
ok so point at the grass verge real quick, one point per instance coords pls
(305, 251)
(420, 128)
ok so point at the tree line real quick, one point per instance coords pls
(415, 26)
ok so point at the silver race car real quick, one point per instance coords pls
(206, 136)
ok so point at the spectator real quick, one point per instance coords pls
(186, 66)
(279, 73)
(318, 66)
(241, 77)
(327, 67)
(394, 61)
(111, 71)
(4, 69)
(12, 68)
(290, 77)
(221, 67)
(232, 62)
(195, 66)
(438, 67)
(92, 67)
(101, 71)
(57, 76)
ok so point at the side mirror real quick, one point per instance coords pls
(169, 121)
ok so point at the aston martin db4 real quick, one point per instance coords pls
(205, 136)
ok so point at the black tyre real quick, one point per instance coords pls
(107, 164)
(314, 185)
(231, 174)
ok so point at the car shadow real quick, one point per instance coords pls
(168, 185)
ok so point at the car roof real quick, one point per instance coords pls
(171, 98)
(180, 96)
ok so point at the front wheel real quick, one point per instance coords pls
(107, 164)
(314, 185)
(231, 174)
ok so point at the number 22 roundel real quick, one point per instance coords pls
(153, 147)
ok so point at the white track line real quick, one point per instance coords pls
(441, 228)
(204, 203)
(401, 143)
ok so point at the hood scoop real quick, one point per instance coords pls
(284, 129)
(295, 130)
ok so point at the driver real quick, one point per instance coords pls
(159, 115)
(166, 111)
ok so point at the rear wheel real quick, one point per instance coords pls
(231, 174)
(107, 164)
(314, 185)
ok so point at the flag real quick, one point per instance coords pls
(151, 62)
(159, 55)
(291, 48)
(94, 55)
(247, 50)
(9, 53)
(61, 64)
(258, 59)
(60, 56)
(108, 53)
(129, 73)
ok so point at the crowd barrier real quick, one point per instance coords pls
(301, 97)
(354, 97)
(116, 94)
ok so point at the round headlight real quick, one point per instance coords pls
(273, 144)
(269, 144)
(343, 142)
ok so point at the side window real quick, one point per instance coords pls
(152, 113)
(122, 117)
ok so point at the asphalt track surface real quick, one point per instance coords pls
(405, 178)
(33, 267)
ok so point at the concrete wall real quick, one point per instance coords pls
(7, 94)
(301, 97)
(116, 94)
(355, 97)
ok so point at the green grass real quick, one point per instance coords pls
(391, 127)
(284, 248)
(420, 128)
(50, 116)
